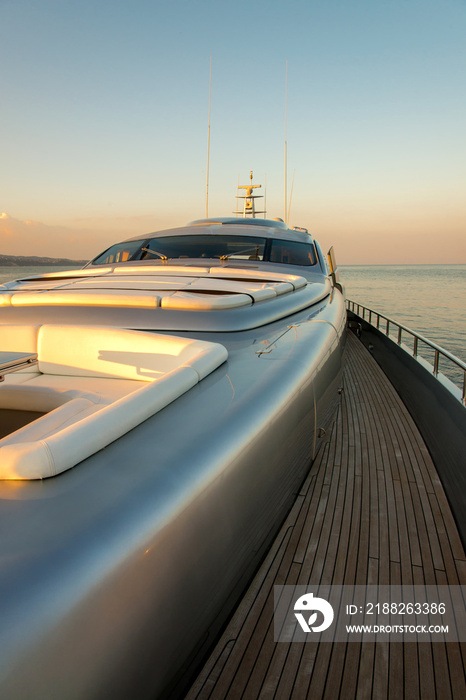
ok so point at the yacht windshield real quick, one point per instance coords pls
(211, 246)
(224, 247)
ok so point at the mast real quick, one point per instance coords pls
(208, 145)
(286, 166)
(249, 208)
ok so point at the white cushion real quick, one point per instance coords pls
(136, 282)
(163, 270)
(204, 302)
(18, 338)
(107, 388)
(225, 272)
(62, 449)
(112, 352)
(96, 384)
(56, 419)
(88, 271)
(257, 290)
(28, 396)
(95, 297)
(21, 376)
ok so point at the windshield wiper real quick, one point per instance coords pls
(241, 252)
(155, 252)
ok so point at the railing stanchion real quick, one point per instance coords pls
(436, 361)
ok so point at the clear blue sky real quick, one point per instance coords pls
(104, 112)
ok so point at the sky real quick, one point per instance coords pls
(104, 112)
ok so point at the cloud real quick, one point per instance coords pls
(80, 239)
(35, 238)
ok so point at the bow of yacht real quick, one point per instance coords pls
(160, 410)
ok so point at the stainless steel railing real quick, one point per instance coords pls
(385, 324)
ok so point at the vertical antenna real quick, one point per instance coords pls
(208, 145)
(265, 198)
(291, 195)
(286, 106)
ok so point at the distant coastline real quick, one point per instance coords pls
(32, 260)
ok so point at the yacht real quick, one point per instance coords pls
(191, 420)
(160, 410)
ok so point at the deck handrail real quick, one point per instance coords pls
(438, 350)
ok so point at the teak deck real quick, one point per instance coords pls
(371, 511)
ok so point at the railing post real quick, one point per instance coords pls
(415, 346)
(436, 361)
(399, 335)
(387, 331)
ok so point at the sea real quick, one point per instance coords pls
(429, 299)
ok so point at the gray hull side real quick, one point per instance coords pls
(114, 575)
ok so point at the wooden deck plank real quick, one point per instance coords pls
(372, 510)
(395, 669)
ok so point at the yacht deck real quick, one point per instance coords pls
(371, 511)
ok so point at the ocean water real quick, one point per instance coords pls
(429, 299)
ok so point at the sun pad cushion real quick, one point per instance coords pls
(95, 385)
(123, 354)
(38, 457)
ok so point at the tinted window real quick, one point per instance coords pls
(121, 252)
(292, 253)
(211, 246)
(234, 247)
